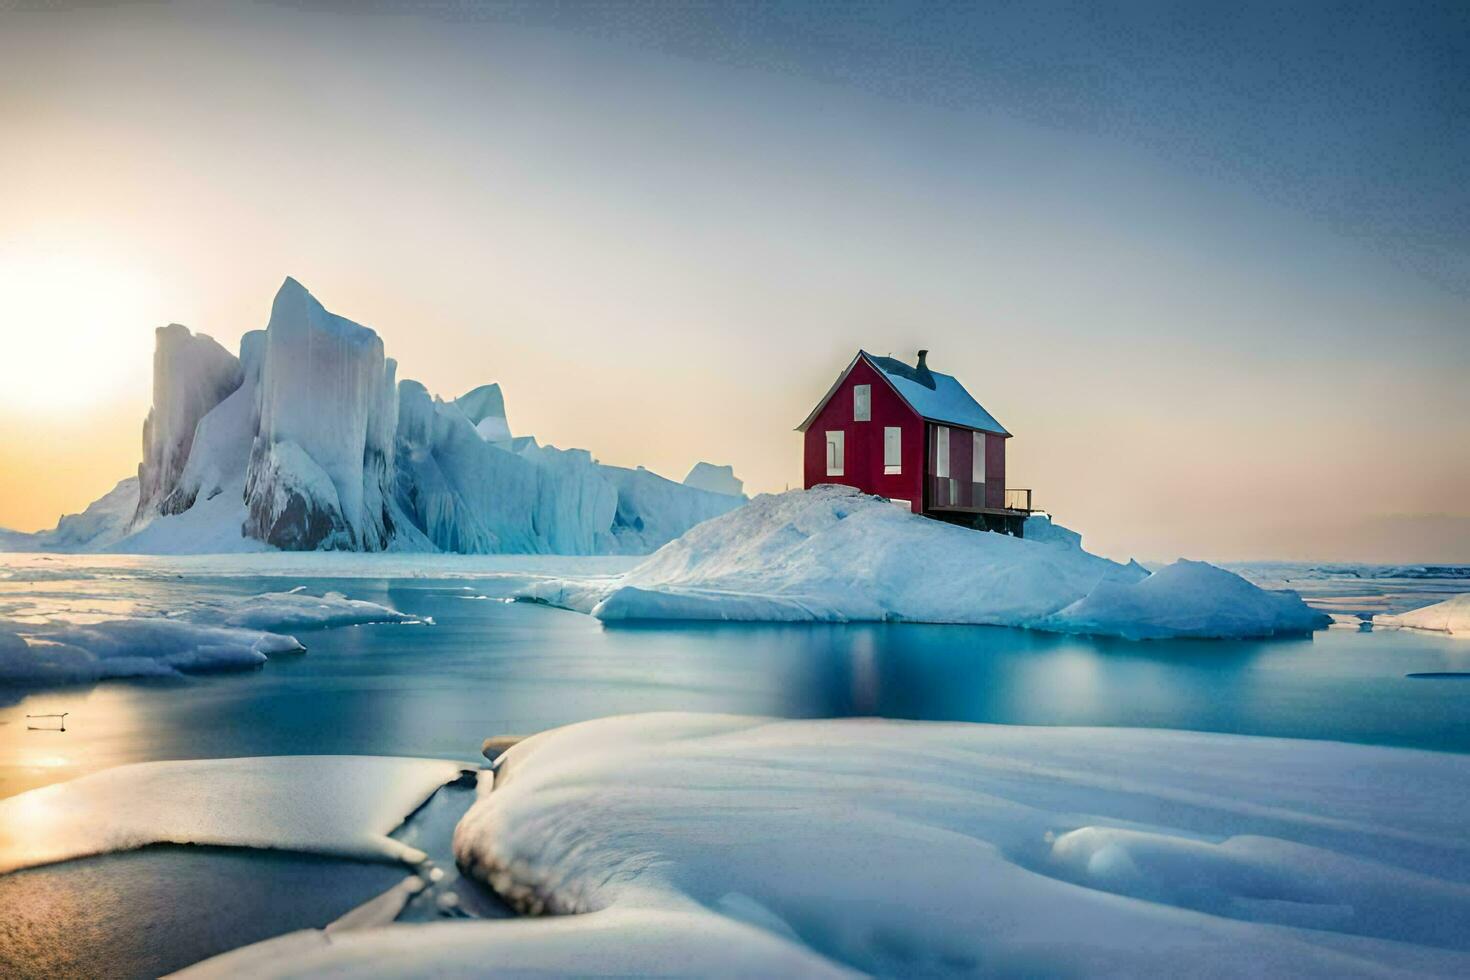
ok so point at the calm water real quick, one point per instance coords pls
(490, 667)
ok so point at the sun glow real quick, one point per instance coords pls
(75, 329)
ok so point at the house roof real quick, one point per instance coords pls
(934, 396)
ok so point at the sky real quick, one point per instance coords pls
(1210, 264)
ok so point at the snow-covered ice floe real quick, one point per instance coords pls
(58, 640)
(298, 609)
(720, 845)
(61, 653)
(835, 554)
(1450, 616)
(337, 805)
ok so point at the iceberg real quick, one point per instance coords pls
(835, 554)
(337, 805)
(307, 441)
(1450, 616)
(715, 479)
(191, 375)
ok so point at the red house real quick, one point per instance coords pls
(916, 437)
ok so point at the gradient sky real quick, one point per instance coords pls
(1211, 266)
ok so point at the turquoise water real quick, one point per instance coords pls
(489, 667)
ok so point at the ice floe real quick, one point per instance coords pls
(298, 609)
(1450, 616)
(64, 653)
(835, 554)
(338, 805)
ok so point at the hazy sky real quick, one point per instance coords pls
(1209, 263)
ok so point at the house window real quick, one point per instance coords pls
(941, 450)
(977, 467)
(834, 453)
(892, 449)
(862, 403)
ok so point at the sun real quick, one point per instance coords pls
(74, 330)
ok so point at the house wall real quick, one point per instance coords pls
(863, 466)
(961, 462)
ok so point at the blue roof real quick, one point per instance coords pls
(937, 397)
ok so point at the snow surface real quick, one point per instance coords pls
(715, 479)
(338, 805)
(903, 848)
(66, 653)
(1450, 616)
(1186, 599)
(835, 554)
(718, 845)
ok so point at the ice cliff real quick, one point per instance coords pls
(307, 441)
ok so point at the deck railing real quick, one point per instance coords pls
(1018, 500)
(948, 493)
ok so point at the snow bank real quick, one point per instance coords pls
(298, 609)
(835, 554)
(915, 848)
(1450, 616)
(641, 943)
(1186, 599)
(139, 647)
(339, 805)
(715, 479)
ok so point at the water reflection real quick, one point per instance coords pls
(491, 668)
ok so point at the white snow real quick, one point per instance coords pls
(1186, 599)
(1450, 616)
(63, 653)
(835, 554)
(904, 848)
(698, 845)
(715, 479)
(339, 805)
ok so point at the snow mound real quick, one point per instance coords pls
(916, 848)
(1450, 616)
(103, 523)
(1186, 599)
(338, 805)
(835, 554)
(715, 479)
(297, 609)
(634, 943)
(139, 647)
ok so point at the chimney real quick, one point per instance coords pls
(921, 366)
